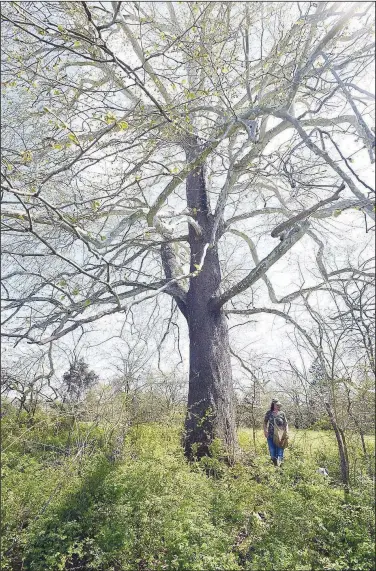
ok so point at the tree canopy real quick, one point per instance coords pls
(148, 143)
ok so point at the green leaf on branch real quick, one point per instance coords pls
(72, 137)
(123, 125)
(27, 156)
(110, 118)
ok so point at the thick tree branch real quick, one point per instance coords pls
(292, 238)
(172, 270)
(284, 226)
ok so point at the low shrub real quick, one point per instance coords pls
(151, 510)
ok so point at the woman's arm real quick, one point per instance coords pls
(266, 420)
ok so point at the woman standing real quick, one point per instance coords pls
(275, 417)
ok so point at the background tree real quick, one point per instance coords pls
(152, 148)
(338, 337)
(26, 380)
(77, 381)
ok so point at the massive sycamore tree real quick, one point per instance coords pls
(152, 148)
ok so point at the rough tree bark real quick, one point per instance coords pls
(210, 399)
(210, 411)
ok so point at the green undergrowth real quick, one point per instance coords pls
(69, 505)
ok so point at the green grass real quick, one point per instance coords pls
(309, 441)
(152, 511)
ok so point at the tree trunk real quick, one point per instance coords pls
(253, 424)
(211, 411)
(210, 398)
(363, 443)
(342, 449)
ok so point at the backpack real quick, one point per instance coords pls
(280, 436)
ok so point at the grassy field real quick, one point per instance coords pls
(309, 441)
(316, 446)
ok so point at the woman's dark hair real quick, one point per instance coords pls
(272, 404)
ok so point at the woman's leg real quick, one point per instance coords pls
(272, 449)
(279, 455)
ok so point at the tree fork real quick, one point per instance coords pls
(210, 413)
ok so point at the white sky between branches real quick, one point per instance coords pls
(269, 334)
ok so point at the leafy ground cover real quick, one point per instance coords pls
(69, 504)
